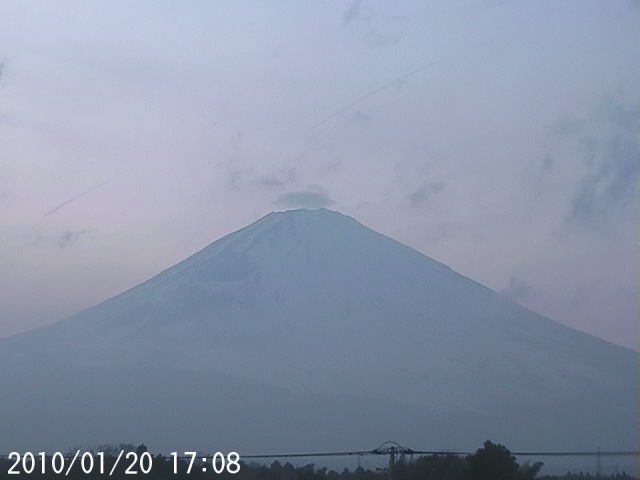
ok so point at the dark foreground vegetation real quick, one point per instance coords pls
(491, 462)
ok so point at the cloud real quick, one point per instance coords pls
(604, 145)
(278, 179)
(517, 289)
(608, 188)
(232, 161)
(582, 293)
(332, 167)
(360, 118)
(383, 39)
(381, 29)
(612, 109)
(68, 238)
(425, 194)
(355, 11)
(63, 240)
(546, 164)
(304, 199)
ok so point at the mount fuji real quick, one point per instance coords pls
(307, 331)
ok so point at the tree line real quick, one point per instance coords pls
(490, 462)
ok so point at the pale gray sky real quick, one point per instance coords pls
(498, 137)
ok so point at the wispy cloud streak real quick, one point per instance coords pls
(395, 81)
(80, 195)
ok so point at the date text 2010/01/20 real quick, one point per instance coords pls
(133, 463)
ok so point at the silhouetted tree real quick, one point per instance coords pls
(435, 467)
(492, 462)
(529, 472)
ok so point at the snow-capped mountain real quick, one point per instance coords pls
(306, 330)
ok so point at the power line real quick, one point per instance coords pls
(613, 453)
(315, 454)
(408, 451)
(397, 449)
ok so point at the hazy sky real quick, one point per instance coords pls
(498, 137)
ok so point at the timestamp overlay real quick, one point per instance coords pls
(124, 463)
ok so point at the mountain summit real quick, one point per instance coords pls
(306, 330)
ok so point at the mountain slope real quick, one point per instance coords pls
(311, 321)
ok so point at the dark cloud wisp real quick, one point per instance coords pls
(517, 289)
(425, 194)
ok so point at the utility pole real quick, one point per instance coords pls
(392, 460)
(598, 464)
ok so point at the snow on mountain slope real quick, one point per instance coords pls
(313, 308)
